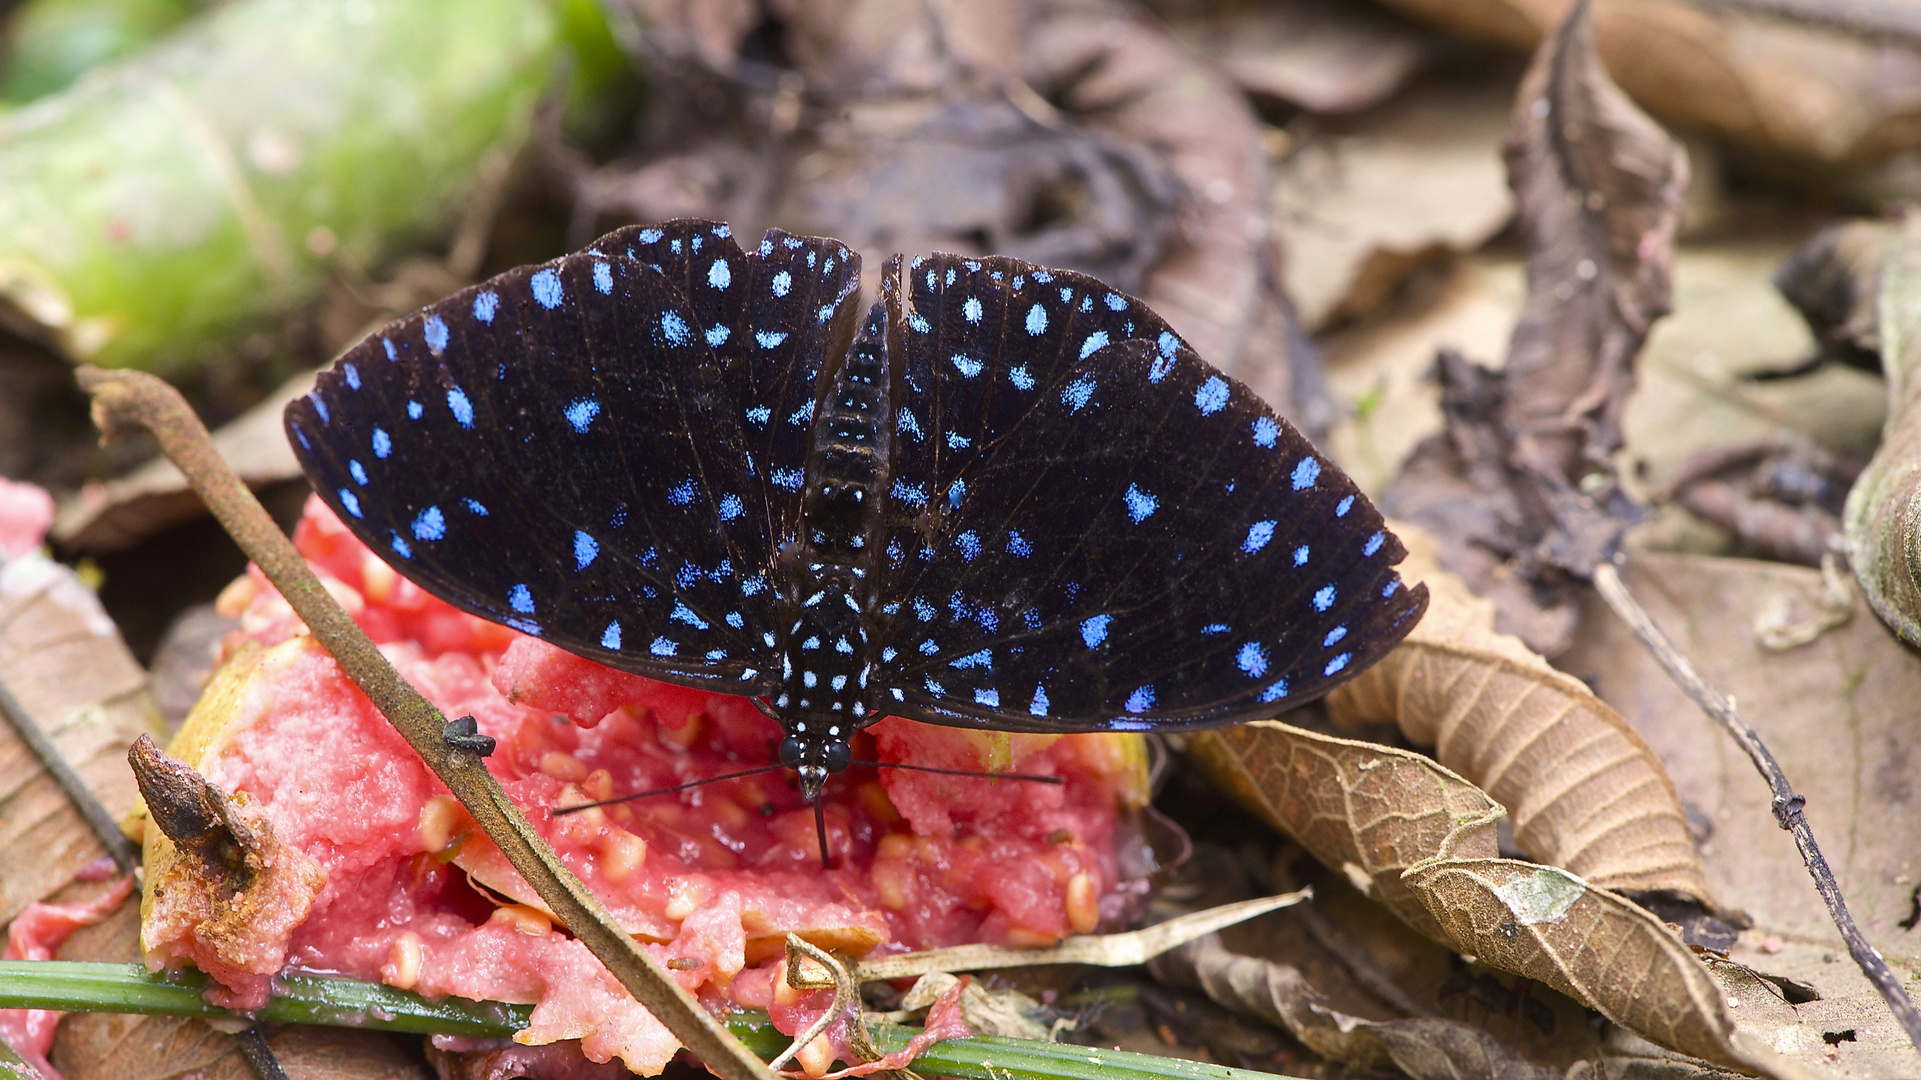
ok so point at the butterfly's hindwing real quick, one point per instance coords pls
(1047, 572)
(555, 450)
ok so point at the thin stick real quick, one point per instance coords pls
(1787, 805)
(125, 401)
(97, 816)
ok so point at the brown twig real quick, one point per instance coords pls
(1787, 805)
(259, 1055)
(126, 401)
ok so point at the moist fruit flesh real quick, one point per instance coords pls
(710, 879)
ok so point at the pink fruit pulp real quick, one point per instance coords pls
(711, 878)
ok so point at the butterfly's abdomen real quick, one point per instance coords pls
(846, 473)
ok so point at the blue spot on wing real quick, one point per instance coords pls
(1212, 396)
(431, 524)
(1140, 504)
(582, 412)
(1306, 472)
(546, 286)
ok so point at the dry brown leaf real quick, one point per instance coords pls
(1599, 948)
(1585, 793)
(1421, 1047)
(1839, 715)
(1584, 787)
(64, 662)
(1776, 85)
(1599, 187)
(1382, 371)
(1367, 810)
(1351, 225)
(1456, 1019)
(1325, 56)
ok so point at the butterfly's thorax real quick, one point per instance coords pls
(826, 652)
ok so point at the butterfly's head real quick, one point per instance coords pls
(815, 756)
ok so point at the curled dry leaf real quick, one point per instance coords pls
(1421, 1047)
(1599, 188)
(1597, 947)
(1584, 791)
(1883, 515)
(1368, 810)
(1838, 714)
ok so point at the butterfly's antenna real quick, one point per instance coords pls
(578, 807)
(977, 773)
(820, 829)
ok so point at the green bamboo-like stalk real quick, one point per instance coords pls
(72, 986)
(170, 201)
(50, 43)
(81, 987)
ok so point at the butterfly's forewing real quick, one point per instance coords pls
(557, 449)
(1088, 527)
(773, 316)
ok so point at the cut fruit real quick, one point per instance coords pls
(712, 879)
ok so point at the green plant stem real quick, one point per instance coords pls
(126, 401)
(130, 988)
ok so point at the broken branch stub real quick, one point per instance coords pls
(1883, 514)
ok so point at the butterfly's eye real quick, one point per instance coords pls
(791, 752)
(838, 757)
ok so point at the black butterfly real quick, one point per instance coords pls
(1013, 499)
